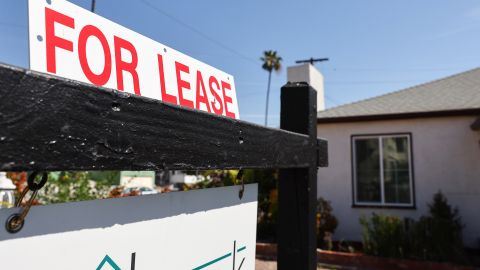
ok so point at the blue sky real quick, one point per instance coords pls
(374, 46)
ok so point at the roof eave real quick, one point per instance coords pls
(396, 116)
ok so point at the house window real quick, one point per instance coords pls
(382, 170)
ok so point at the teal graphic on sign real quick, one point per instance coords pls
(109, 260)
(221, 258)
(233, 254)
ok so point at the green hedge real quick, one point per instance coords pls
(434, 237)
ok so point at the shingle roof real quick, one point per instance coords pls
(454, 93)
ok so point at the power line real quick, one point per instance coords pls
(371, 82)
(256, 93)
(332, 100)
(327, 82)
(193, 29)
(312, 60)
(391, 69)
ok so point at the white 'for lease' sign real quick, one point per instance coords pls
(203, 229)
(69, 41)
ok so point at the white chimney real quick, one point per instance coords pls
(308, 73)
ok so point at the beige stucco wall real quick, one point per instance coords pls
(446, 157)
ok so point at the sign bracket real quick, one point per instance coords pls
(16, 221)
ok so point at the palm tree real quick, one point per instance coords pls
(270, 62)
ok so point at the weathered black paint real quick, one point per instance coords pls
(298, 186)
(51, 123)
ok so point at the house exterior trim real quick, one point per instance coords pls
(412, 206)
(379, 117)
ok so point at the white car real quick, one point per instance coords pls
(141, 190)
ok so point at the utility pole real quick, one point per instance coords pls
(93, 6)
(312, 60)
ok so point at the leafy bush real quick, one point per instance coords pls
(383, 236)
(70, 187)
(438, 236)
(435, 237)
(267, 201)
(326, 224)
(267, 180)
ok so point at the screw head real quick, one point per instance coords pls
(14, 224)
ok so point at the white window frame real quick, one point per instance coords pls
(380, 138)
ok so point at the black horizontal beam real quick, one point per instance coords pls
(52, 123)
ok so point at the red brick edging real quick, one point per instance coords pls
(269, 251)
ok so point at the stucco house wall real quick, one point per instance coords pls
(446, 157)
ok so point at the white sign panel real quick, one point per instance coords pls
(203, 229)
(69, 41)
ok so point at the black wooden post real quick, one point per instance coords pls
(298, 186)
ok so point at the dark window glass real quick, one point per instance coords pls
(382, 162)
(367, 170)
(396, 170)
